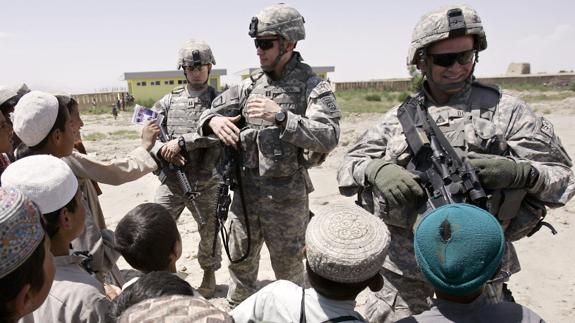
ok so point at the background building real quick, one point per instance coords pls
(321, 71)
(151, 86)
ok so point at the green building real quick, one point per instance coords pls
(320, 71)
(146, 86)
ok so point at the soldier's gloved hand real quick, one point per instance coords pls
(170, 152)
(501, 173)
(398, 186)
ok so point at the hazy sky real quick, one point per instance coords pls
(82, 46)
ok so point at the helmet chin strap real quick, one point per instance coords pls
(196, 86)
(270, 68)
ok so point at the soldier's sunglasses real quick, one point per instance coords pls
(448, 59)
(191, 68)
(264, 44)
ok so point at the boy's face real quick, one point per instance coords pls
(75, 221)
(77, 122)
(37, 298)
(64, 140)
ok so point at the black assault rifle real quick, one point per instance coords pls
(168, 168)
(446, 174)
(227, 168)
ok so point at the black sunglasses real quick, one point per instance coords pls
(264, 44)
(192, 68)
(448, 59)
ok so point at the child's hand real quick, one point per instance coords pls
(150, 133)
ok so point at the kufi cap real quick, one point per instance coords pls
(20, 229)
(174, 309)
(6, 93)
(45, 179)
(346, 244)
(34, 116)
(459, 247)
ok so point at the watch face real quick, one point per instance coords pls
(280, 117)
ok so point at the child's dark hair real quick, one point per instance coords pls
(60, 122)
(146, 237)
(332, 289)
(30, 272)
(152, 285)
(69, 102)
(52, 218)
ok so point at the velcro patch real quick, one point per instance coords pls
(218, 101)
(329, 101)
(546, 127)
(321, 89)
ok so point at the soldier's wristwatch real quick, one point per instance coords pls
(280, 117)
(182, 143)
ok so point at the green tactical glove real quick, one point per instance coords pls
(398, 186)
(502, 173)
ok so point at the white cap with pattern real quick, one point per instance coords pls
(346, 244)
(46, 180)
(34, 116)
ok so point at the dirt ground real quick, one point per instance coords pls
(546, 282)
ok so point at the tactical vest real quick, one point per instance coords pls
(262, 148)
(184, 111)
(182, 117)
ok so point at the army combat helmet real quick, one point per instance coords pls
(194, 53)
(278, 20)
(444, 23)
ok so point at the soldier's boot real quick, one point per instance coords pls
(208, 286)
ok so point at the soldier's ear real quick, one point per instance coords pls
(421, 65)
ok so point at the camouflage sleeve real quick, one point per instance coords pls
(372, 144)
(226, 104)
(531, 137)
(318, 130)
(161, 107)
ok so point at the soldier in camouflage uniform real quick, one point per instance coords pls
(182, 109)
(289, 122)
(516, 153)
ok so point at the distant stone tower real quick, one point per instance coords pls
(518, 69)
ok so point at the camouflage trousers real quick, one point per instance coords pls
(203, 206)
(278, 215)
(402, 296)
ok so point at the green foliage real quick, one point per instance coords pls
(119, 134)
(372, 97)
(401, 96)
(526, 87)
(148, 103)
(416, 79)
(364, 100)
(126, 134)
(96, 136)
(531, 97)
(99, 109)
(572, 87)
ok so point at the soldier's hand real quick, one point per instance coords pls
(502, 173)
(170, 152)
(398, 186)
(225, 129)
(262, 108)
(150, 133)
(112, 291)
